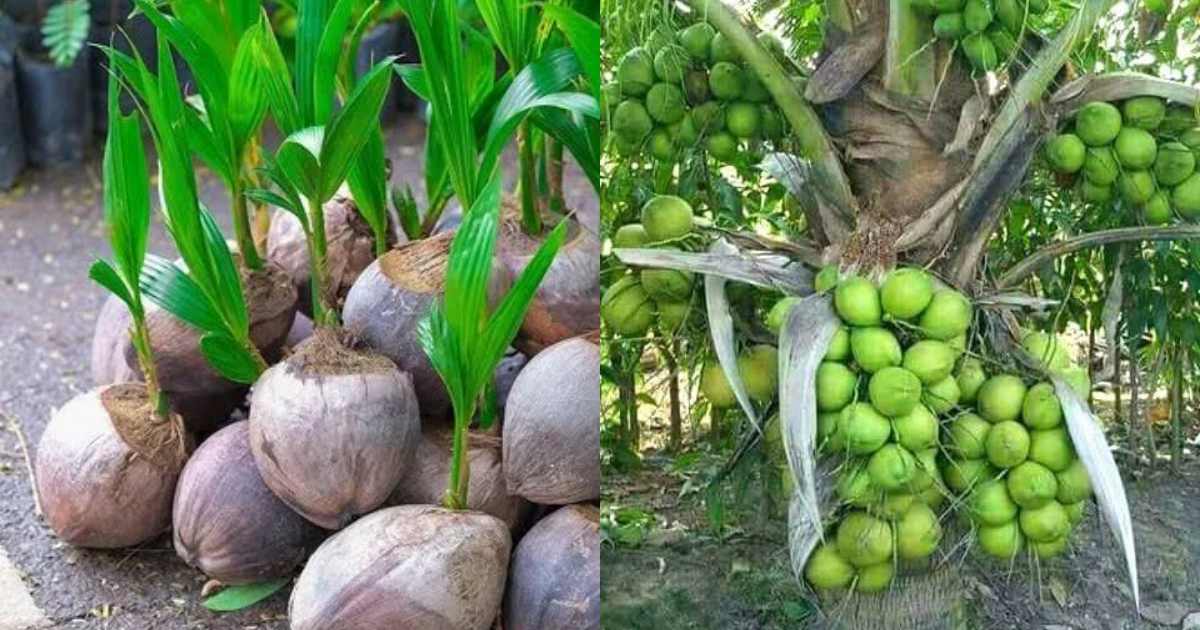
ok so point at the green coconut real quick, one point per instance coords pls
(1136, 148)
(1010, 14)
(839, 346)
(666, 217)
(1000, 398)
(1051, 549)
(827, 569)
(949, 26)
(753, 89)
(670, 63)
(1100, 166)
(864, 540)
(665, 103)
(1094, 193)
(968, 436)
(1007, 444)
(1190, 138)
(662, 147)
(891, 506)
(932, 361)
(828, 437)
(906, 292)
(977, 15)
(684, 132)
(863, 429)
(779, 310)
(759, 369)
(1065, 152)
(926, 472)
(635, 72)
(661, 36)
(962, 475)
(668, 285)
(857, 301)
(1136, 187)
(875, 348)
(836, 386)
(697, 40)
(1098, 123)
(894, 391)
(1179, 119)
(631, 235)
(990, 504)
(1045, 523)
(610, 95)
(1186, 197)
(854, 487)
(722, 146)
(672, 315)
(875, 578)
(1041, 409)
(1006, 45)
(742, 119)
(980, 51)
(958, 344)
(891, 467)
(916, 430)
(1077, 378)
(1175, 163)
(631, 122)
(626, 308)
(695, 86)
(708, 117)
(947, 316)
(772, 122)
(1051, 448)
(1143, 112)
(1074, 484)
(1075, 511)
(970, 377)
(1031, 485)
(918, 532)
(716, 387)
(827, 278)
(948, 6)
(1045, 349)
(934, 497)
(725, 81)
(1157, 211)
(1000, 541)
(722, 50)
(943, 395)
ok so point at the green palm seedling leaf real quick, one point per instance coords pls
(579, 134)
(277, 79)
(513, 25)
(243, 595)
(351, 127)
(169, 287)
(584, 36)
(65, 30)
(368, 184)
(229, 358)
(328, 58)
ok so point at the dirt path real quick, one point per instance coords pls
(50, 231)
(681, 576)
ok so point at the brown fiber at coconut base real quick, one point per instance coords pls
(106, 469)
(554, 579)
(202, 396)
(567, 302)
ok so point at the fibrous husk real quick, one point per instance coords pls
(227, 523)
(302, 328)
(350, 248)
(428, 476)
(567, 303)
(554, 581)
(414, 566)
(106, 468)
(196, 391)
(388, 302)
(333, 429)
(552, 426)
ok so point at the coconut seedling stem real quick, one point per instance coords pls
(531, 219)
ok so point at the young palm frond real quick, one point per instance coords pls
(65, 30)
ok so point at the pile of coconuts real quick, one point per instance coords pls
(1139, 154)
(690, 88)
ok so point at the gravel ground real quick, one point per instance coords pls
(50, 232)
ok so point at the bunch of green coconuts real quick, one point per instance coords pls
(1142, 152)
(640, 298)
(690, 89)
(989, 32)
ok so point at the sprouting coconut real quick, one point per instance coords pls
(333, 429)
(413, 566)
(106, 468)
(554, 581)
(552, 426)
(426, 478)
(227, 523)
(350, 249)
(108, 345)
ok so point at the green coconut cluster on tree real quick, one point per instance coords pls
(1140, 152)
(689, 88)
(988, 32)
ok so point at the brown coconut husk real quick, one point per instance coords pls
(333, 429)
(554, 580)
(202, 396)
(414, 566)
(567, 303)
(302, 328)
(106, 468)
(426, 481)
(227, 523)
(109, 340)
(389, 301)
(552, 426)
(350, 248)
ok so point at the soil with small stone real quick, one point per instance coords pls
(51, 229)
